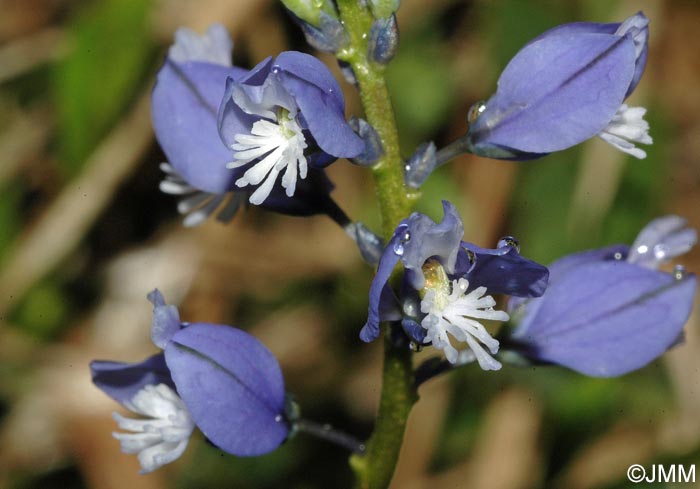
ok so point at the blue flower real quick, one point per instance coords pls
(215, 377)
(445, 283)
(609, 311)
(286, 115)
(564, 87)
(185, 103)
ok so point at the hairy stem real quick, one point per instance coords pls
(395, 200)
(375, 468)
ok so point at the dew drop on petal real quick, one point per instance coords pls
(679, 272)
(509, 241)
(475, 111)
(415, 346)
(278, 418)
(617, 256)
(642, 249)
(399, 245)
(660, 251)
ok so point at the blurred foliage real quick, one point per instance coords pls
(440, 186)
(421, 65)
(111, 52)
(9, 216)
(541, 204)
(43, 311)
(113, 47)
(645, 185)
(503, 25)
(65, 478)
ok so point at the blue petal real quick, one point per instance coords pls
(564, 265)
(661, 240)
(608, 318)
(415, 331)
(214, 46)
(561, 267)
(166, 320)
(232, 385)
(636, 27)
(501, 271)
(184, 105)
(415, 240)
(312, 193)
(121, 381)
(640, 38)
(557, 92)
(292, 81)
(313, 72)
(231, 119)
(261, 92)
(321, 102)
(379, 292)
(428, 239)
(575, 28)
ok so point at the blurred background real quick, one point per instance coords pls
(85, 234)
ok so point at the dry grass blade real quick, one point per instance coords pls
(506, 454)
(172, 14)
(25, 54)
(487, 207)
(421, 435)
(26, 135)
(56, 413)
(96, 452)
(606, 459)
(680, 433)
(597, 184)
(58, 231)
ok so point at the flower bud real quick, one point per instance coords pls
(373, 146)
(383, 40)
(564, 87)
(607, 312)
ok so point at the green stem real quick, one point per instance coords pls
(375, 468)
(395, 200)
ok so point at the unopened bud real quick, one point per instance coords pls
(420, 165)
(383, 40)
(329, 36)
(373, 146)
